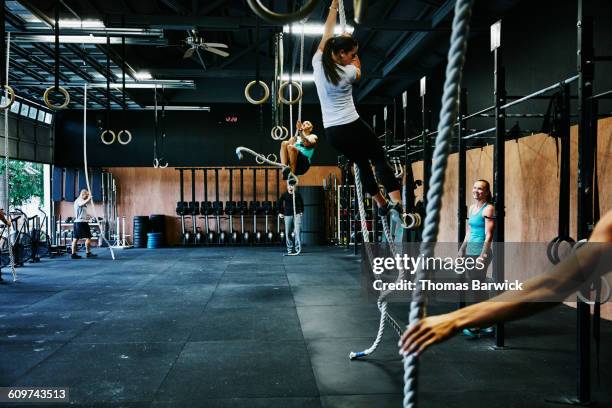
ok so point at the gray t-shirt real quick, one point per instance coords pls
(80, 210)
(337, 106)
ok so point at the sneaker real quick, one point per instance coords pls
(488, 331)
(473, 333)
(289, 252)
(75, 256)
(286, 172)
(91, 255)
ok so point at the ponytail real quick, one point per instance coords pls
(335, 45)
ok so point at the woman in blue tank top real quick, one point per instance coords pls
(478, 239)
(297, 152)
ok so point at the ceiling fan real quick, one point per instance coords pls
(196, 43)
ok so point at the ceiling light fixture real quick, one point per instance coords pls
(314, 29)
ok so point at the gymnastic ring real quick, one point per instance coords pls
(155, 163)
(412, 220)
(63, 92)
(549, 249)
(272, 157)
(247, 94)
(603, 300)
(259, 158)
(555, 247)
(285, 133)
(292, 101)
(277, 133)
(274, 17)
(579, 244)
(11, 97)
(163, 166)
(114, 137)
(418, 219)
(129, 137)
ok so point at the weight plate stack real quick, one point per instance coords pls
(154, 240)
(157, 223)
(141, 228)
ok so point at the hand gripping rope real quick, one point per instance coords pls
(292, 180)
(102, 232)
(448, 115)
(7, 202)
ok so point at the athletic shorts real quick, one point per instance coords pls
(81, 230)
(302, 165)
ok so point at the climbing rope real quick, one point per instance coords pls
(448, 115)
(93, 205)
(381, 302)
(292, 180)
(7, 201)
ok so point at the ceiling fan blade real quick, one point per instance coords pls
(216, 51)
(201, 60)
(218, 45)
(189, 53)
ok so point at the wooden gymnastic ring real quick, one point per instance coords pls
(111, 133)
(62, 91)
(278, 132)
(11, 97)
(129, 137)
(282, 88)
(418, 219)
(247, 94)
(281, 18)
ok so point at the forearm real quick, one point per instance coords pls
(538, 293)
(330, 23)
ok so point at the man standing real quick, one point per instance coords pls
(8, 225)
(81, 225)
(285, 209)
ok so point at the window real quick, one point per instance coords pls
(15, 107)
(33, 112)
(41, 116)
(24, 110)
(48, 118)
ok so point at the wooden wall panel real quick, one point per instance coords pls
(145, 191)
(532, 189)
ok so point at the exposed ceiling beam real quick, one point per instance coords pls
(175, 6)
(407, 48)
(183, 73)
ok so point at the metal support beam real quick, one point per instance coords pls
(407, 48)
(586, 72)
(499, 174)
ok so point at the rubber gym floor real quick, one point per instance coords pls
(247, 327)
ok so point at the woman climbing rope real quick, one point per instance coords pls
(297, 152)
(336, 67)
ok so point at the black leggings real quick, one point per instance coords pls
(358, 142)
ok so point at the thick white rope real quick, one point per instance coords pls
(446, 129)
(7, 202)
(381, 303)
(342, 15)
(292, 180)
(93, 205)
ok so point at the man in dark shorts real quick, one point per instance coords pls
(81, 225)
(297, 152)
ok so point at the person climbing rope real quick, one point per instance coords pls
(297, 152)
(336, 67)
